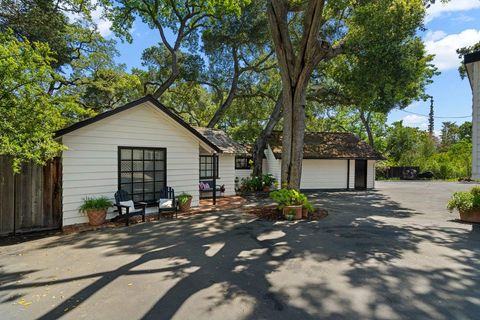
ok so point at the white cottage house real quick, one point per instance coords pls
(472, 64)
(332, 161)
(140, 147)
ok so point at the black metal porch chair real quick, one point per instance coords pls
(124, 211)
(167, 202)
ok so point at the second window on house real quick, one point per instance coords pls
(206, 167)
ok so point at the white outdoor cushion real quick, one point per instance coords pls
(165, 203)
(128, 204)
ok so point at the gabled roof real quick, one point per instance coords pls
(329, 145)
(222, 140)
(133, 104)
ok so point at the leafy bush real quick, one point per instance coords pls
(285, 197)
(268, 180)
(93, 203)
(183, 198)
(290, 197)
(465, 201)
(252, 184)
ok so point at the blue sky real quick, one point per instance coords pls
(449, 26)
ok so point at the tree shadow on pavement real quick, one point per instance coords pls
(350, 265)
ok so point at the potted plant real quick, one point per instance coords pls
(184, 201)
(467, 203)
(290, 215)
(96, 209)
(287, 200)
(267, 181)
(307, 207)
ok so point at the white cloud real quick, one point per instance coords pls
(434, 35)
(444, 46)
(438, 9)
(103, 24)
(412, 120)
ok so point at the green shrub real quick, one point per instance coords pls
(268, 180)
(290, 197)
(183, 198)
(252, 184)
(465, 201)
(285, 197)
(93, 203)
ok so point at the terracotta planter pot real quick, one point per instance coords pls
(96, 217)
(186, 206)
(266, 188)
(304, 213)
(471, 216)
(296, 209)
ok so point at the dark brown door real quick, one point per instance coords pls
(361, 174)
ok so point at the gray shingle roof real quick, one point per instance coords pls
(222, 140)
(329, 145)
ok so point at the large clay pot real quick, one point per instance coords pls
(304, 213)
(296, 209)
(96, 217)
(186, 206)
(470, 216)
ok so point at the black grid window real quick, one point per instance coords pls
(206, 167)
(242, 162)
(142, 172)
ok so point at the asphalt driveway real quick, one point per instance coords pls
(393, 253)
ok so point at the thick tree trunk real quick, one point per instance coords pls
(261, 142)
(368, 129)
(296, 67)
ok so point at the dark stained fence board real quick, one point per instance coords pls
(31, 200)
(6, 196)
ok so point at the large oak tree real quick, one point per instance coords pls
(308, 32)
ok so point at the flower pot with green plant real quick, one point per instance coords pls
(96, 209)
(184, 201)
(467, 203)
(287, 200)
(267, 182)
(307, 206)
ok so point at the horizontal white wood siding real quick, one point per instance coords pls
(352, 174)
(90, 163)
(324, 174)
(226, 171)
(370, 174)
(243, 173)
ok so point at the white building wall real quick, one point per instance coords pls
(272, 165)
(90, 163)
(475, 120)
(324, 174)
(242, 173)
(370, 174)
(226, 171)
(352, 175)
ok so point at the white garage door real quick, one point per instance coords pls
(324, 174)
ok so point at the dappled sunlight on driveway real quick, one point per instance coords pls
(372, 257)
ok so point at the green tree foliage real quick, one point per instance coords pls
(414, 147)
(29, 114)
(184, 18)
(239, 54)
(408, 146)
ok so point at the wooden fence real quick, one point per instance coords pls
(31, 200)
